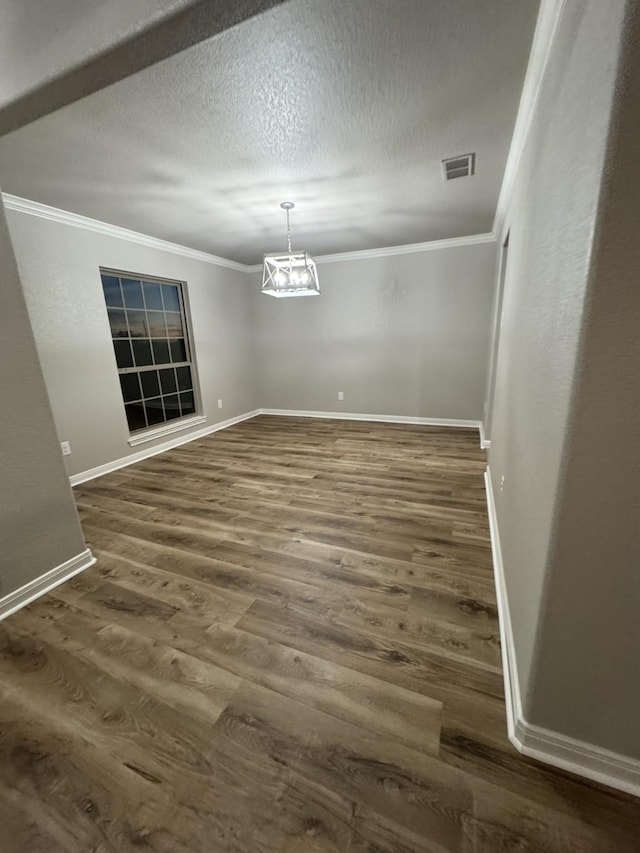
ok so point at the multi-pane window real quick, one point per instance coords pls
(151, 344)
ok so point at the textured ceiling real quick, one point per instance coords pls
(39, 41)
(54, 53)
(346, 108)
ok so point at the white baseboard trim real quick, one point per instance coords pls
(583, 759)
(46, 582)
(485, 443)
(138, 456)
(386, 419)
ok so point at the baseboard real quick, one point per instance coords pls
(138, 456)
(485, 443)
(386, 419)
(513, 698)
(51, 579)
(583, 759)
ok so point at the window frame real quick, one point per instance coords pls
(150, 433)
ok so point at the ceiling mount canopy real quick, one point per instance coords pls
(290, 273)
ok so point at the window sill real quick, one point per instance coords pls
(166, 429)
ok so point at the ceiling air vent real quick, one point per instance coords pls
(459, 167)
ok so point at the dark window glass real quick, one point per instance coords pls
(168, 380)
(142, 352)
(135, 416)
(150, 383)
(118, 323)
(154, 410)
(132, 291)
(152, 296)
(187, 406)
(178, 351)
(157, 327)
(184, 378)
(150, 338)
(171, 406)
(170, 297)
(112, 292)
(124, 358)
(137, 324)
(174, 325)
(130, 384)
(161, 351)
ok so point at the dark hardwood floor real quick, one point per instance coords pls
(289, 644)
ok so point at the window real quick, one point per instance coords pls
(149, 333)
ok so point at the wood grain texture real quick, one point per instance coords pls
(289, 644)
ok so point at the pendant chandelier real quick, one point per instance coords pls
(290, 274)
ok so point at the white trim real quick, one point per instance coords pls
(66, 217)
(583, 759)
(546, 28)
(76, 220)
(166, 429)
(45, 583)
(387, 419)
(485, 443)
(108, 467)
(406, 249)
(513, 699)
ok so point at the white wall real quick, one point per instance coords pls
(59, 266)
(39, 527)
(399, 335)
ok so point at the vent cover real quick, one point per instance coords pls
(459, 167)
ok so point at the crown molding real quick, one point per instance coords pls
(406, 249)
(543, 38)
(66, 217)
(76, 220)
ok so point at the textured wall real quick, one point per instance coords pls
(590, 686)
(59, 267)
(39, 528)
(399, 335)
(545, 431)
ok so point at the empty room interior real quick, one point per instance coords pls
(355, 571)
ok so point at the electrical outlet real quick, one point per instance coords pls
(66, 448)
(502, 482)
(340, 395)
(219, 404)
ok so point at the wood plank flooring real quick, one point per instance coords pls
(289, 644)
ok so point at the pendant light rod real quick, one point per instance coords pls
(288, 205)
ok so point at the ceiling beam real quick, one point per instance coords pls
(193, 23)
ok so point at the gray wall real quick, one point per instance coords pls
(565, 418)
(597, 542)
(59, 266)
(39, 527)
(399, 335)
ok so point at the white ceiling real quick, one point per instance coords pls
(39, 41)
(345, 108)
